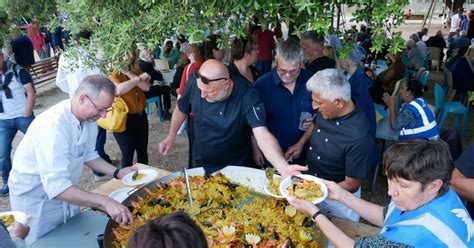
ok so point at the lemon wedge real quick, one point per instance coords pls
(228, 231)
(252, 239)
(304, 236)
(290, 210)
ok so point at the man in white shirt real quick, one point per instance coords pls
(49, 160)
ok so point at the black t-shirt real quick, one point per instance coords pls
(320, 64)
(341, 147)
(222, 129)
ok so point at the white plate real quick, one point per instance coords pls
(267, 190)
(287, 182)
(121, 194)
(17, 215)
(150, 175)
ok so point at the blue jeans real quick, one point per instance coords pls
(8, 130)
(263, 66)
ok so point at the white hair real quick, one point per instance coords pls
(143, 53)
(331, 84)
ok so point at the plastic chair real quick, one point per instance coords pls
(424, 78)
(443, 108)
(157, 102)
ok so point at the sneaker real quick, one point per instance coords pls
(5, 190)
(102, 178)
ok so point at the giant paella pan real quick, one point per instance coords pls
(229, 205)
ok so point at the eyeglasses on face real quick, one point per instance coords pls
(291, 72)
(206, 80)
(99, 109)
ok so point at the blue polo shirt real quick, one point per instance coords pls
(360, 94)
(283, 108)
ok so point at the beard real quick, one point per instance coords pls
(222, 96)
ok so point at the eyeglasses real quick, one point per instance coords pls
(206, 80)
(291, 72)
(98, 109)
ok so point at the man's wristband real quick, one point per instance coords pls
(315, 215)
(116, 172)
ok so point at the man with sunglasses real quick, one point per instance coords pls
(226, 112)
(49, 160)
(285, 97)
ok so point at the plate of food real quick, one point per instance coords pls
(142, 176)
(9, 217)
(272, 187)
(305, 187)
(121, 194)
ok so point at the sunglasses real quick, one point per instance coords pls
(206, 80)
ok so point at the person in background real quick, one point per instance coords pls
(463, 177)
(131, 85)
(386, 81)
(413, 54)
(456, 22)
(174, 230)
(415, 119)
(23, 51)
(33, 32)
(49, 161)
(423, 212)
(359, 82)
(341, 140)
(423, 32)
(287, 101)
(437, 41)
(420, 44)
(330, 52)
(459, 42)
(265, 46)
(145, 63)
(17, 100)
(243, 55)
(312, 45)
(170, 53)
(277, 32)
(211, 48)
(183, 44)
(463, 74)
(47, 40)
(194, 55)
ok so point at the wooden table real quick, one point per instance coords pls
(114, 184)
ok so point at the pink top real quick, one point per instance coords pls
(33, 32)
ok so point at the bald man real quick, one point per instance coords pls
(226, 112)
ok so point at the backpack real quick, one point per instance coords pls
(14, 71)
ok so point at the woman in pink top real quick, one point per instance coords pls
(33, 32)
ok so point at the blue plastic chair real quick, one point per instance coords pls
(157, 102)
(443, 108)
(424, 78)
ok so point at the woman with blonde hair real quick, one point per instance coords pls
(330, 52)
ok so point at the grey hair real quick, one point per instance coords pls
(331, 84)
(414, 37)
(410, 44)
(314, 37)
(94, 84)
(290, 51)
(463, 33)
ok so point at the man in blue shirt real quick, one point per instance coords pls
(284, 95)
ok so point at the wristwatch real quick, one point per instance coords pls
(116, 172)
(313, 217)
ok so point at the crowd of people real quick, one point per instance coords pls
(293, 104)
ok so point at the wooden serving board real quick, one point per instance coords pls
(355, 230)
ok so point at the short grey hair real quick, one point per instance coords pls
(410, 44)
(94, 84)
(314, 37)
(415, 37)
(331, 84)
(290, 51)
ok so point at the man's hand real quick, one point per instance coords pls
(125, 171)
(293, 152)
(117, 212)
(18, 231)
(292, 169)
(165, 145)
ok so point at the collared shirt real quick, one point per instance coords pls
(14, 107)
(222, 129)
(52, 153)
(341, 147)
(72, 72)
(284, 108)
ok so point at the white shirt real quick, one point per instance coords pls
(52, 153)
(454, 23)
(71, 73)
